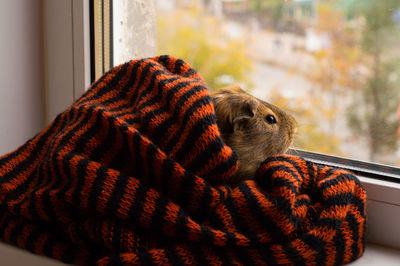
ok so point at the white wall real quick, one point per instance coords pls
(21, 114)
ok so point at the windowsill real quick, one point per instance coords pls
(374, 255)
(378, 255)
(11, 255)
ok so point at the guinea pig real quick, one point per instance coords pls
(253, 128)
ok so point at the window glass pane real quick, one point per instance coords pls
(134, 29)
(333, 64)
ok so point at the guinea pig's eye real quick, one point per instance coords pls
(270, 119)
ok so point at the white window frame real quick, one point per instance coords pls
(383, 210)
(66, 46)
(68, 75)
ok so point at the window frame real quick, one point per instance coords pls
(101, 37)
(381, 182)
(66, 53)
(360, 168)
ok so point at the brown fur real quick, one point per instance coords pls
(241, 121)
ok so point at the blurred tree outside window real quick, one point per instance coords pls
(207, 42)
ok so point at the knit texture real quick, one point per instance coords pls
(133, 173)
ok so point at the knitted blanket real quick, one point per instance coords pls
(133, 173)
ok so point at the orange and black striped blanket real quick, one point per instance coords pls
(132, 173)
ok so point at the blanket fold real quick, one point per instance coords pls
(133, 173)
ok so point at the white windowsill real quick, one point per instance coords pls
(374, 255)
(378, 255)
(11, 256)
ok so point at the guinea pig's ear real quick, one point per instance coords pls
(247, 110)
(234, 89)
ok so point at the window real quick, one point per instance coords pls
(335, 70)
(120, 31)
(331, 63)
